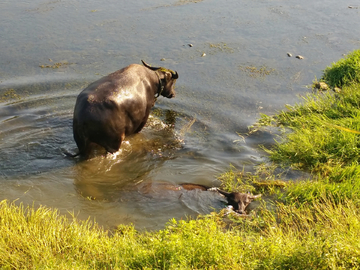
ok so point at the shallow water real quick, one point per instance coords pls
(192, 138)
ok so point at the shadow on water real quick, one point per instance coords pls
(140, 154)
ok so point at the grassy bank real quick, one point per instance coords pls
(325, 236)
(324, 137)
(311, 224)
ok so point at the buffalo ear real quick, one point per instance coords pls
(171, 76)
(168, 76)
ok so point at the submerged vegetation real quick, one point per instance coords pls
(10, 95)
(309, 224)
(256, 72)
(56, 65)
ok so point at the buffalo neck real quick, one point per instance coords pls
(160, 87)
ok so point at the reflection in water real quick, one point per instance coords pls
(103, 176)
(126, 178)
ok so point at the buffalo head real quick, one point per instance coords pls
(239, 201)
(167, 79)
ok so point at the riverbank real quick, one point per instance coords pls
(310, 224)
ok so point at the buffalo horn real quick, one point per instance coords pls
(148, 66)
(226, 194)
(175, 76)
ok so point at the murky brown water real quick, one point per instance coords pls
(192, 138)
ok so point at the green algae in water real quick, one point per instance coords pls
(256, 72)
(10, 95)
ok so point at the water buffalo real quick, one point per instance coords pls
(238, 201)
(118, 105)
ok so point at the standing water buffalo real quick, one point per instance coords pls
(118, 105)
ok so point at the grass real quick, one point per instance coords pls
(322, 138)
(290, 238)
(345, 71)
(325, 134)
(310, 224)
(264, 180)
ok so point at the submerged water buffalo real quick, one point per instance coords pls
(238, 201)
(118, 105)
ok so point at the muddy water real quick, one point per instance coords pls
(50, 50)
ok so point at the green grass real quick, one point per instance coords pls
(320, 140)
(308, 224)
(345, 71)
(325, 237)
(264, 180)
(321, 136)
